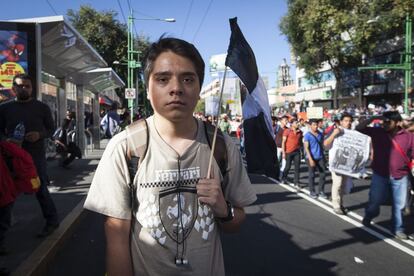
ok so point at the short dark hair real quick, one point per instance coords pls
(311, 121)
(393, 116)
(346, 115)
(177, 46)
(22, 77)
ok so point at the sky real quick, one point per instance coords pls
(202, 22)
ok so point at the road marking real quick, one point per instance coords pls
(304, 195)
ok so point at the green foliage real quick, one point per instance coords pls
(339, 32)
(200, 107)
(109, 37)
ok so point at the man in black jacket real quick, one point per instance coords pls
(38, 125)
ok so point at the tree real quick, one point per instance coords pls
(108, 36)
(340, 32)
(201, 106)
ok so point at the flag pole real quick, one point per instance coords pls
(213, 145)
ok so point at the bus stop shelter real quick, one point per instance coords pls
(64, 55)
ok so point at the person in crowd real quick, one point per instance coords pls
(125, 120)
(338, 181)
(110, 122)
(171, 180)
(37, 120)
(408, 125)
(225, 126)
(313, 144)
(68, 151)
(279, 128)
(291, 145)
(393, 148)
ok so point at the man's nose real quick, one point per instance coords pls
(176, 87)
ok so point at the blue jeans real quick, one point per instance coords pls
(45, 200)
(378, 193)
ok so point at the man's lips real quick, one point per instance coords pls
(176, 103)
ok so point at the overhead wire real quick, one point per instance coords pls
(51, 6)
(186, 17)
(202, 20)
(122, 12)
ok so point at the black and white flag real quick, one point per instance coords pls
(261, 150)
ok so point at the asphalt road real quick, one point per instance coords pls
(286, 233)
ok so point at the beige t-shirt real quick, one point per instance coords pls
(171, 223)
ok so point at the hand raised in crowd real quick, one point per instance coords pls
(32, 136)
(337, 131)
(209, 192)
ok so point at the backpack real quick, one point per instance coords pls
(20, 167)
(137, 146)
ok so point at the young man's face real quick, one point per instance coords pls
(314, 126)
(173, 87)
(346, 122)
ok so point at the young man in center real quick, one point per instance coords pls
(181, 210)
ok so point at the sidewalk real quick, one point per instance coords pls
(29, 253)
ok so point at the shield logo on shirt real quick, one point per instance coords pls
(178, 211)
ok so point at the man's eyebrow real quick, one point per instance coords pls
(163, 73)
(169, 73)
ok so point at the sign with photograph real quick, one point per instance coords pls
(350, 153)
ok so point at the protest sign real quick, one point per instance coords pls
(350, 153)
(314, 112)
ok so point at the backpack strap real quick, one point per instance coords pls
(220, 150)
(137, 146)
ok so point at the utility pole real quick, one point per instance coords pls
(132, 64)
(406, 65)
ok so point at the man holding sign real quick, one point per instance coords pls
(338, 180)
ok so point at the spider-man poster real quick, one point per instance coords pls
(17, 55)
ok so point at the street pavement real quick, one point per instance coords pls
(285, 233)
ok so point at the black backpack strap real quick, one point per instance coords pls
(137, 146)
(220, 150)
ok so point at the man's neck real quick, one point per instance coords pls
(314, 132)
(168, 130)
(24, 101)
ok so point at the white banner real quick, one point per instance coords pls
(314, 112)
(350, 153)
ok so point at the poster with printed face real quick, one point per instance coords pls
(17, 55)
(350, 153)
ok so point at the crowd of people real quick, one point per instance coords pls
(390, 158)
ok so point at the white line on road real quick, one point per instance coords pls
(347, 219)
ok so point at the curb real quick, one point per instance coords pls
(37, 263)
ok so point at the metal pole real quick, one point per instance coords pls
(130, 61)
(408, 59)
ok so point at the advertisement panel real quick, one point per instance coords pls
(17, 55)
